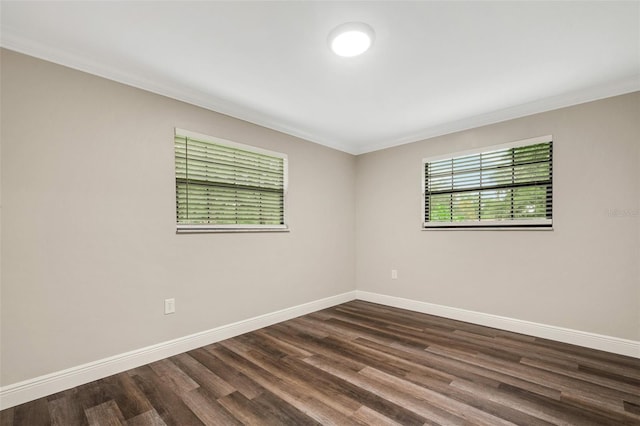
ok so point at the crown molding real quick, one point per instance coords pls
(247, 113)
(213, 103)
(620, 87)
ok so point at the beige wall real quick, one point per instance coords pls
(583, 275)
(88, 228)
(89, 249)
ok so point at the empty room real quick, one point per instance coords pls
(319, 213)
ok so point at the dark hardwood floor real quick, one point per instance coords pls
(360, 363)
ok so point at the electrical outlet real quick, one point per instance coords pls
(394, 274)
(169, 306)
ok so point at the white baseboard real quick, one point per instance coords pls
(38, 387)
(581, 338)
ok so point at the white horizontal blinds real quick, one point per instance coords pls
(218, 184)
(503, 187)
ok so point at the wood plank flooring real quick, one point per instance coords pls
(359, 364)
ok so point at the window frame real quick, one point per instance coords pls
(513, 224)
(222, 228)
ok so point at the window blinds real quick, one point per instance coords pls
(511, 186)
(227, 185)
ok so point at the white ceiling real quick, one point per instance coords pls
(435, 67)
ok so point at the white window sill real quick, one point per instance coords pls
(226, 230)
(490, 228)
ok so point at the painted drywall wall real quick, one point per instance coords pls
(89, 248)
(582, 275)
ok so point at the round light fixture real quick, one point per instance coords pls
(351, 39)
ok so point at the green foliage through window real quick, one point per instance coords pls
(502, 187)
(221, 184)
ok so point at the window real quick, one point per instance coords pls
(508, 185)
(222, 185)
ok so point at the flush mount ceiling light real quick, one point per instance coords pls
(351, 39)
